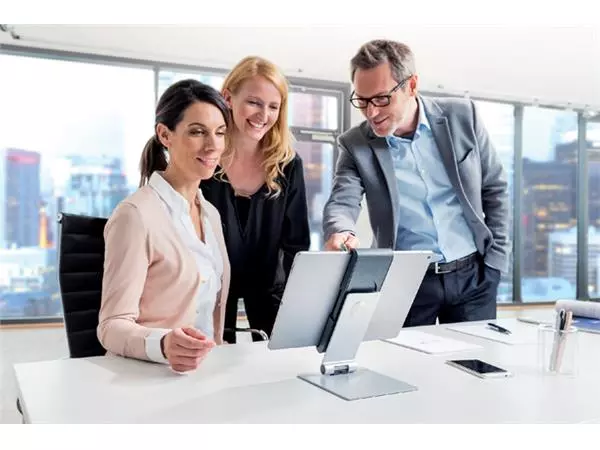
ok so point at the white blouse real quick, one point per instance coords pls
(206, 254)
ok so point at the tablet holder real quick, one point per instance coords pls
(346, 327)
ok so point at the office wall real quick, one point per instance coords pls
(557, 65)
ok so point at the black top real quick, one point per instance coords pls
(262, 233)
(243, 209)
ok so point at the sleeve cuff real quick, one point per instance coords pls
(152, 343)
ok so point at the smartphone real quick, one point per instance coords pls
(479, 368)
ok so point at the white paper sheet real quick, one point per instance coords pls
(430, 343)
(520, 335)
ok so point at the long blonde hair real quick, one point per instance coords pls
(276, 145)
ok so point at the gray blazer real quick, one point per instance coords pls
(365, 166)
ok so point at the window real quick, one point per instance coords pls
(71, 141)
(76, 145)
(315, 117)
(593, 156)
(549, 221)
(166, 78)
(499, 120)
(313, 110)
(317, 158)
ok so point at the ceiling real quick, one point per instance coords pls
(554, 65)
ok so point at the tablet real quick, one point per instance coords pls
(313, 286)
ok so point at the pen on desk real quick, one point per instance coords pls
(531, 320)
(498, 328)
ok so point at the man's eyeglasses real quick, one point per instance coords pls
(377, 100)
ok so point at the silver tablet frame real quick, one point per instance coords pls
(310, 294)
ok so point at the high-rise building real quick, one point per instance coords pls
(566, 149)
(562, 255)
(549, 204)
(49, 210)
(566, 152)
(549, 208)
(89, 185)
(19, 198)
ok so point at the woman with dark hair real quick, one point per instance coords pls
(166, 270)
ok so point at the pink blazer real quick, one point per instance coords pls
(150, 277)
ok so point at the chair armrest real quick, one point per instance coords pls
(262, 334)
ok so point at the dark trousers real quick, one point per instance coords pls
(261, 311)
(464, 295)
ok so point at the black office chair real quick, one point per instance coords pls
(80, 270)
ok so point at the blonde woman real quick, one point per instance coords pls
(259, 192)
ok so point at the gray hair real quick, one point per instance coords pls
(379, 51)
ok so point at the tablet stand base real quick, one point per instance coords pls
(360, 384)
(339, 373)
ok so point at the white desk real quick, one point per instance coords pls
(249, 383)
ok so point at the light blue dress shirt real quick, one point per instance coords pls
(430, 215)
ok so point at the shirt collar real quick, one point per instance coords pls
(176, 203)
(422, 124)
(423, 120)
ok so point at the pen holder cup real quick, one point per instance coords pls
(557, 350)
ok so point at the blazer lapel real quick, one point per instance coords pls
(441, 136)
(384, 157)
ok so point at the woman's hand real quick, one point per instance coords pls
(185, 348)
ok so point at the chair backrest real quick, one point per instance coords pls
(80, 270)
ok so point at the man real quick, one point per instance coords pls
(432, 181)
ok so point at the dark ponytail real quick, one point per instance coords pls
(154, 157)
(169, 111)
